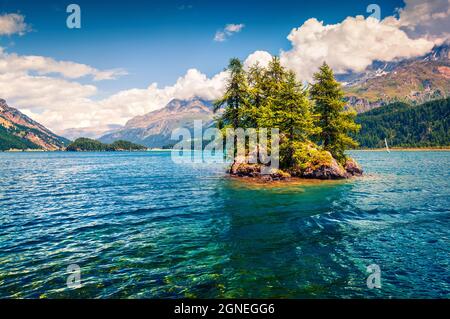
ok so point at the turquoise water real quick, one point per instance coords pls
(140, 226)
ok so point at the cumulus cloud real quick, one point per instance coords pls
(228, 31)
(59, 103)
(49, 100)
(48, 91)
(429, 19)
(262, 58)
(351, 45)
(128, 103)
(13, 23)
(43, 65)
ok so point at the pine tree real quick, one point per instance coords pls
(235, 98)
(255, 79)
(271, 86)
(297, 121)
(286, 107)
(335, 122)
(235, 102)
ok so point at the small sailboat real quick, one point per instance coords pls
(387, 147)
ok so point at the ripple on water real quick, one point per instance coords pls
(140, 226)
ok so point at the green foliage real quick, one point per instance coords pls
(287, 108)
(87, 144)
(27, 135)
(335, 122)
(307, 155)
(125, 145)
(235, 97)
(272, 97)
(403, 125)
(268, 98)
(10, 139)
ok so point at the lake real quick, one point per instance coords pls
(140, 226)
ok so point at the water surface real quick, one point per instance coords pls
(140, 226)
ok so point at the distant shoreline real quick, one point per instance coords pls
(65, 151)
(405, 149)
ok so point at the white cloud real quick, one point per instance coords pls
(228, 31)
(352, 45)
(44, 65)
(129, 103)
(261, 57)
(13, 23)
(220, 36)
(429, 19)
(47, 90)
(61, 103)
(234, 27)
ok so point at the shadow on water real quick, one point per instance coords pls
(275, 244)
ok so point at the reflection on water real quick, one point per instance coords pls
(140, 226)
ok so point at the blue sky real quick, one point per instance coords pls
(157, 41)
(67, 78)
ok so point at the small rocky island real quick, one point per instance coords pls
(327, 169)
(315, 126)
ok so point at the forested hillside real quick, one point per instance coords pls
(18, 131)
(404, 125)
(90, 145)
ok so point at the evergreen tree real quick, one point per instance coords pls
(236, 102)
(271, 84)
(297, 121)
(272, 97)
(286, 107)
(405, 125)
(335, 122)
(255, 79)
(235, 98)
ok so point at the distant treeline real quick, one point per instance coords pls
(403, 125)
(87, 144)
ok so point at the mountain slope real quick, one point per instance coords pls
(18, 131)
(404, 125)
(414, 81)
(154, 129)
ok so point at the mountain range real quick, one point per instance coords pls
(18, 131)
(416, 80)
(411, 81)
(154, 129)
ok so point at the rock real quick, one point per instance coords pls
(234, 168)
(279, 175)
(326, 171)
(321, 165)
(243, 169)
(353, 168)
